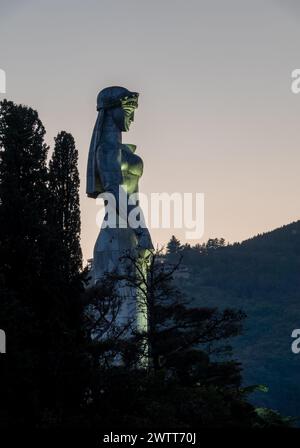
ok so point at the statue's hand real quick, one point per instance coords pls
(144, 244)
(144, 254)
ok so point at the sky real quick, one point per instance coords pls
(216, 113)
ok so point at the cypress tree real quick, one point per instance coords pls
(23, 195)
(23, 226)
(40, 285)
(65, 212)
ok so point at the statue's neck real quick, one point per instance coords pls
(111, 134)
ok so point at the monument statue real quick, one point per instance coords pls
(114, 168)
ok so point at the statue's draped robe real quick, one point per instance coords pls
(106, 174)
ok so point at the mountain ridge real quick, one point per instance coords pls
(260, 276)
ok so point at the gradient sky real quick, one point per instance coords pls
(216, 111)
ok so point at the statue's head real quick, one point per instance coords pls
(120, 103)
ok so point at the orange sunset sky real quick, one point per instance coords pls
(216, 112)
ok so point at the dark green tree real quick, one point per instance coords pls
(173, 246)
(23, 194)
(23, 216)
(65, 211)
(40, 308)
(179, 378)
(215, 243)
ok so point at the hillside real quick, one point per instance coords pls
(261, 276)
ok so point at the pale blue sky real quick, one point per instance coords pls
(216, 111)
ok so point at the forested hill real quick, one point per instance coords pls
(261, 276)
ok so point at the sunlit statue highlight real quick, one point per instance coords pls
(114, 169)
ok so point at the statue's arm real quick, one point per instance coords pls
(109, 167)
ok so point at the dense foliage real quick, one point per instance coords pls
(39, 306)
(261, 277)
(69, 362)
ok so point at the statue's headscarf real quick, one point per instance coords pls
(108, 98)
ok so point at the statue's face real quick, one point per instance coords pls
(123, 116)
(128, 106)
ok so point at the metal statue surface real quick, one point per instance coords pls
(113, 167)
